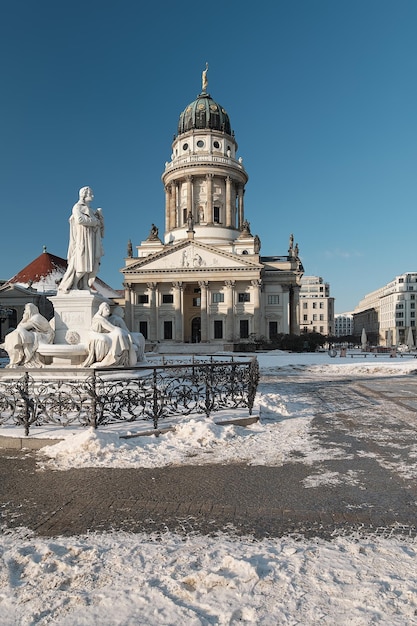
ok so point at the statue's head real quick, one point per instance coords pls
(84, 192)
(30, 309)
(104, 309)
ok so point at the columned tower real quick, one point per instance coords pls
(204, 181)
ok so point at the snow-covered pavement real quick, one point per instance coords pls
(122, 578)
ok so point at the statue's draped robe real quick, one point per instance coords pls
(21, 344)
(109, 345)
(85, 246)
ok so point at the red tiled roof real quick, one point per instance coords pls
(43, 265)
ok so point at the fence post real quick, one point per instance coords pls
(155, 400)
(27, 402)
(93, 420)
(209, 386)
(253, 382)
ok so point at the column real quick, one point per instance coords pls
(153, 322)
(167, 207)
(209, 217)
(294, 303)
(204, 311)
(174, 204)
(189, 195)
(240, 206)
(256, 289)
(129, 315)
(229, 219)
(178, 308)
(230, 316)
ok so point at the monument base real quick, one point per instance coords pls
(74, 312)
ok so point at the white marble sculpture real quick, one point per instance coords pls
(138, 340)
(82, 333)
(109, 345)
(22, 343)
(85, 244)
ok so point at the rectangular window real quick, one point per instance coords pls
(321, 317)
(305, 306)
(143, 328)
(322, 305)
(314, 305)
(243, 297)
(216, 214)
(273, 298)
(315, 317)
(244, 329)
(322, 329)
(167, 330)
(305, 318)
(218, 329)
(197, 301)
(143, 298)
(217, 297)
(167, 298)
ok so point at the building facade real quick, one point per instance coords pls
(388, 314)
(316, 306)
(204, 280)
(343, 324)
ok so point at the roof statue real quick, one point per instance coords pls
(154, 233)
(291, 246)
(204, 81)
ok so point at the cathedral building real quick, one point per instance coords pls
(204, 279)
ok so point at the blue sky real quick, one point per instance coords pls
(321, 95)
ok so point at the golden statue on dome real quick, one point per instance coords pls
(204, 80)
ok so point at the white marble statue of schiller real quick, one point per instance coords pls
(85, 244)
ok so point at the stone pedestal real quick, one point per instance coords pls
(74, 312)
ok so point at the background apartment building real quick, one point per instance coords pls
(388, 314)
(343, 324)
(316, 306)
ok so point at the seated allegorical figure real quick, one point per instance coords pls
(22, 343)
(138, 340)
(109, 345)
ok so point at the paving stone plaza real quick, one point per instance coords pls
(374, 420)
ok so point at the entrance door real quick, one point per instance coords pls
(196, 330)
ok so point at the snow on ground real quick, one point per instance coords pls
(167, 579)
(117, 579)
(282, 432)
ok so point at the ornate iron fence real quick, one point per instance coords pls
(151, 392)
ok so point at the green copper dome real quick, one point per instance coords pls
(204, 113)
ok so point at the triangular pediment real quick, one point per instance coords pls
(191, 255)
